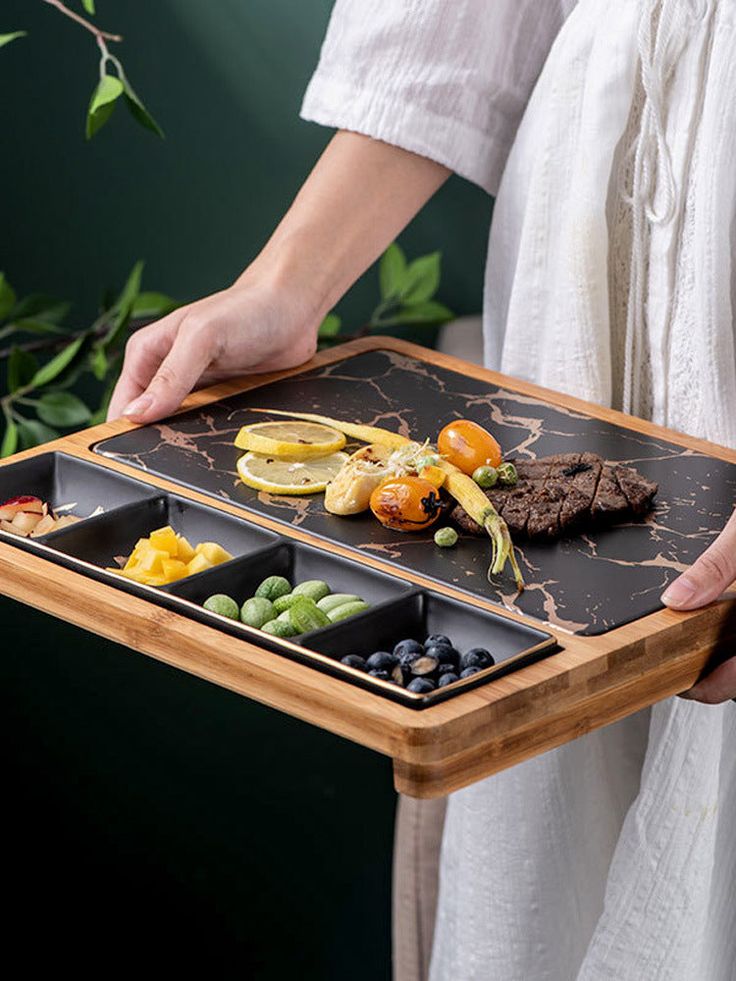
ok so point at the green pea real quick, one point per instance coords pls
(507, 474)
(445, 537)
(485, 477)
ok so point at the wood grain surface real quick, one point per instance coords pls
(593, 681)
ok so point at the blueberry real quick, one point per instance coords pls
(425, 664)
(447, 668)
(383, 675)
(354, 661)
(405, 647)
(420, 685)
(436, 639)
(381, 661)
(400, 675)
(477, 657)
(447, 679)
(469, 672)
(443, 653)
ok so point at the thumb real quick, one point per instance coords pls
(707, 578)
(191, 354)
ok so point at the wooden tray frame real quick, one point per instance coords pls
(592, 682)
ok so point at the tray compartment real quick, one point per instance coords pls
(416, 616)
(297, 563)
(115, 533)
(60, 479)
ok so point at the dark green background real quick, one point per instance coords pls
(146, 810)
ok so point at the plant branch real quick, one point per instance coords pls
(88, 25)
(98, 329)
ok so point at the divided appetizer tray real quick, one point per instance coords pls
(588, 641)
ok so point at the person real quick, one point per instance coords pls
(608, 133)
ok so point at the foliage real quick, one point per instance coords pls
(407, 291)
(40, 398)
(113, 83)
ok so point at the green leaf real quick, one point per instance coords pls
(422, 279)
(10, 439)
(124, 306)
(53, 368)
(392, 271)
(89, 6)
(7, 297)
(330, 326)
(7, 38)
(33, 326)
(22, 366)
(102, 103)
(99, 363)
(62, 409)
(429, 312)
(38, 306)
(140, 113)
(32, 433)
(153, 305)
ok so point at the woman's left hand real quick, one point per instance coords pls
(704, 582)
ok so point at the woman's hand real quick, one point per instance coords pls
(704, 582)
(250, 327)
(360, 195)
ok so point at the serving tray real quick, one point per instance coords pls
(587, 643)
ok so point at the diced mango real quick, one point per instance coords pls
(185, 552)
(213, 552)
(156, 581)
(166, 540)
(173, 569)
(199, 563)
(151, 560)
(135, 574)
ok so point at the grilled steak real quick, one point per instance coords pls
(565, 493)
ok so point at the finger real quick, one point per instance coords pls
(707, 578)
(192, 351)
(719, 686)
(144, 353)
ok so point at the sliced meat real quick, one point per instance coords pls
(583, 483)
(609, 501)
(567, 492)
(638, 491)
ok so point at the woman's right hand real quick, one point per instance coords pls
(250, 327)
(359, 196)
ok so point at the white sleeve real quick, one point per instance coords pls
(448, 79)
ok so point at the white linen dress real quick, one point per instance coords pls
(610, 276)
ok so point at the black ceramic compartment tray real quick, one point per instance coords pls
(132, 509)
(588, 584)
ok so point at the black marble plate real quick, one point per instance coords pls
(587, 584)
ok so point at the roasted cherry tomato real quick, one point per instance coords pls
(406, 504)
(468, 446)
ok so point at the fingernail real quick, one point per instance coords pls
(138, 406)
(681, 591)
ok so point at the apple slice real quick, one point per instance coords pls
(65, 520)
(44, 526)
(25, 521)
(13, 505)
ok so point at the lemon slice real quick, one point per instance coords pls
(295, 439)
(285, 475)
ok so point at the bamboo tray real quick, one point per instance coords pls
(588, 643)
